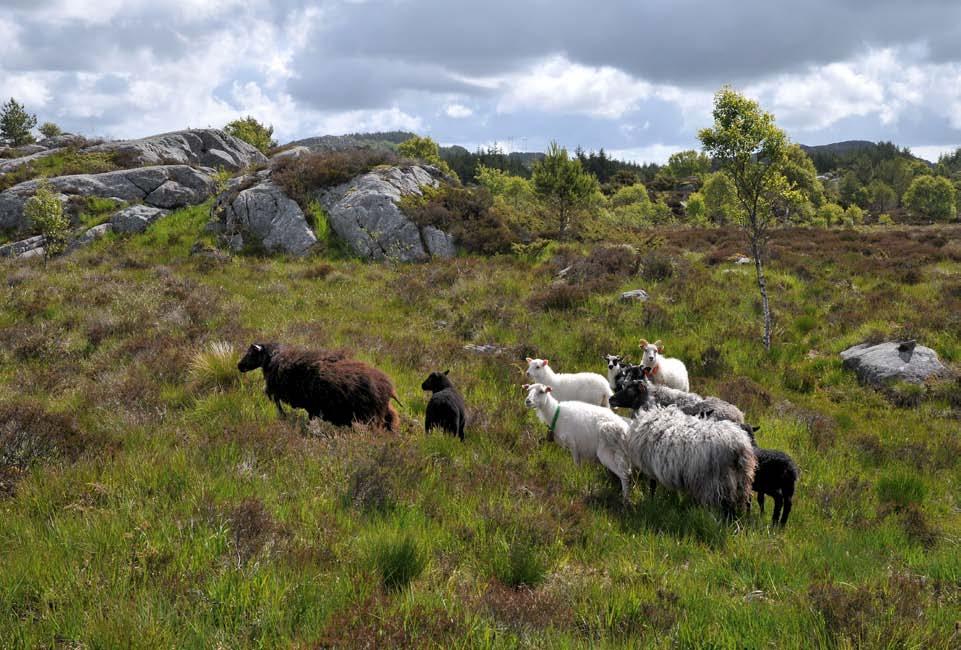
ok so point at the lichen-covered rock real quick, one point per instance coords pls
(263, 216)
(893, 361)
(18, 248)
(206, 147)
(364, 213)
(91, 235)
(171, 186)
(136, 218)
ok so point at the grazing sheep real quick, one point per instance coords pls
(643, 395)
(588, 431)
(711, 460)
(662, 370)
(446, 407)
(587, 387)
(325, 383)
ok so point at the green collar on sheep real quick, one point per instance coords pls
(554, 421)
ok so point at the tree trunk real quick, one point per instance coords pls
(762, 286)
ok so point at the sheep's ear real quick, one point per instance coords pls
(658, 344)
(258, 347)
(643, 343)
(447, 372)
(529, 359)
(526, 386)
(546, 362)
(547, 389)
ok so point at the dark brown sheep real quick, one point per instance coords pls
(325, 383)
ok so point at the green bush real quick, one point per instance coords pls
(426, 150)
(252, 132)
(45, 212)
(900, 491)
(50, 130)
(302, 175)
(215, 367)
(465, 213)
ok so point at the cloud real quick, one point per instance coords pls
(457, 111)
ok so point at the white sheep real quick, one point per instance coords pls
(587, 387)
(588, 431)
(615, 366)
(663, 370)
(711, 460)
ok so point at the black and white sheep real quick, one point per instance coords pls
(711, 460)
(446, 408)
(327, 384)
(641, 394)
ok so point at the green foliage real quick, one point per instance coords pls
(301, 176)
(44, 212)
(16, 124)
(688, 163)
(95, 210)
(425, 149)
(829, 214)
(720, 198)
(900, 491)
(881, 197)
(463, 212)
(50, 130)
(564, 187)
(932, 197)
(853, 216)
(696, 209)
(252, 132)
(398, 560)
(885, 220)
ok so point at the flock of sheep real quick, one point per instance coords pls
(697, 445)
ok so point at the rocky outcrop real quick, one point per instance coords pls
(206, 147)
(136, 218)
(292, 152)
(262, 216)
(165, 187)
(893, 361)
(8, 165)
(23, 247)
(364, 213)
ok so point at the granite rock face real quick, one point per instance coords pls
(205, 147)
(262, 215)
(364, 213)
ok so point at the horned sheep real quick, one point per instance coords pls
(662, 370)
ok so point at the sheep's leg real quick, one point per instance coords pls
(619, 467)
(460, 428)
(760, 501)
(786, 511)
(280, 407)
(777, 509)
(652, 487)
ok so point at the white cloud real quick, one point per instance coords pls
(933, 152)
(559, 86)
(458, 111)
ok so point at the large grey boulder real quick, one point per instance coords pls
(136, 218)
(64, 140)
(364, 213)
(893, 361)
(171, 186)
(206, 147)
(91, 235)
(262, 215)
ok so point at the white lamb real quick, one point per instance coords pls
(588, 431)
(587, 387)
(662, 370)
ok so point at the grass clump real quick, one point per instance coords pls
(518, 562)
(215, 368)
(900, 491)
(398, 560)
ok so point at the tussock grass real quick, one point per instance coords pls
(215, 367)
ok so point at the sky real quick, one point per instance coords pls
(634, 77)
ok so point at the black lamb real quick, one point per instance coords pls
(775, 475)
(446, 407)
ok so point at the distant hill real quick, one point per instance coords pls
(838, 148)
(379, 140)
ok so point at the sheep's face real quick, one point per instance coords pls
(632, 396)
(436, 381)
(256, 357)
(650, 352)
(536, 395)
(535, 367)
(613, 361)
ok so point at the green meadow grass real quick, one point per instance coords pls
(185, 514)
